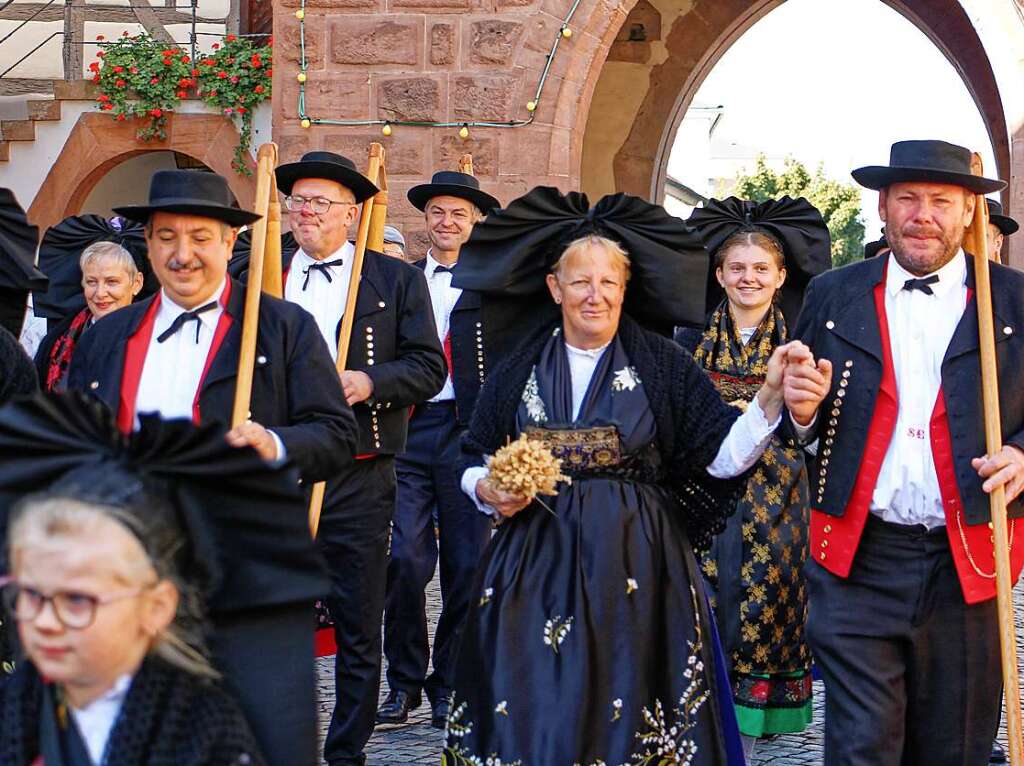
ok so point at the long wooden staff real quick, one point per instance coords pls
(379, 214)
(316, 500)
(977, 243)
(266, 161)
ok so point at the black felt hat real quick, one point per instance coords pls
(327, 165)
(190, 192)
(794, 223)
(449, 183)
(59, 253)
(871, 249)
(18, 272)
(929, 161)
(1004, 223)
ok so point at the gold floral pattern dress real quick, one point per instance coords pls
(588, 642)
(755, 567)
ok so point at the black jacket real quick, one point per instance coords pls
(296, 391)
(839, 323)
(17, 375)
(169, 718)
(394, 341)
(466, 328)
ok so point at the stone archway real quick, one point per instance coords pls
(97, 144)
(659, 77)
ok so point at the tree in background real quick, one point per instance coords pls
(839, 203)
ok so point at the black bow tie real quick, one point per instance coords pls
(921, 284)
(324, 267)
(184, 317)
(445, 269)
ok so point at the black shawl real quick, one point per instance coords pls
(692, 421)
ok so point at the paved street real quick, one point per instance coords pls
(417, 743)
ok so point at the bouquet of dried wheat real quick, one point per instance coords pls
(526, 467)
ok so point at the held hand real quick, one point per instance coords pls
(1005, 468)
(806, 384)
(358, 386)
(770, 397)
(253, 435)
(505, 503)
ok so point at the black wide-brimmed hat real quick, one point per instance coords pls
(930, 161)
(18, 272)
(1004, 223)
(327, 165)
(448, 183)
(190, 192)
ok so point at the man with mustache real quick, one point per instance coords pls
(394, 362)
(176, 354)
(902, 619)
(428, 478)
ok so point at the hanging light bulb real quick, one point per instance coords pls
(566, 32)
(464, 131)
(531, 106)
(386, 130)
(305, 122)
(300, 14)
(301, 77)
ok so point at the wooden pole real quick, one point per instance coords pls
(272, 281)
(266, 161)
(976, 243)
(373, 172)
(378, 218)
(466, 164)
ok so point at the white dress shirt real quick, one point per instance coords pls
(172, 371)
(443, 298)
(96, 720)
(324, 300)
(921, 327)
(741, 448)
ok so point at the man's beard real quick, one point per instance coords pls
(921, 264)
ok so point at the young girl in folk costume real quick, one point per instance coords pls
(104, 588)
(755, 566)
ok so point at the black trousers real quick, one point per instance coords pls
(353, 536)
(266, 658)
(912, 673)
(428, 479)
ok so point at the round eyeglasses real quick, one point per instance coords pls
(319, 205)
(74, 610)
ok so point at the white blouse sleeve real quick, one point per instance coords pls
(744, 443)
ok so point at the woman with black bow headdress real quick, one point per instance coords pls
(755, 566)
(589, 640)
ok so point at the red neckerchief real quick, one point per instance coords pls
(63, 348)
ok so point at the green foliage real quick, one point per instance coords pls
(838, 202)
(142, 79)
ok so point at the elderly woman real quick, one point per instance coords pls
(589, 640)
(110, 281)
(755, 567)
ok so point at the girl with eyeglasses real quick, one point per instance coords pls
(111, 627)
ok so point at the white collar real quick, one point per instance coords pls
(592, 353)
(952, 275)
(115, 693)
(344, 252)
(171, 310)
(432, 264)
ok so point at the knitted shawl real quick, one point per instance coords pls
(692, 421)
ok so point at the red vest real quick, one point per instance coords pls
(135, 358)
(834, 539)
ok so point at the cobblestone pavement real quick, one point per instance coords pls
(417, 743)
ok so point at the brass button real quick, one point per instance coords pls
(828, 528)
(824, 543)
(822, 555)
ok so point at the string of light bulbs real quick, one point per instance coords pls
(387, 126)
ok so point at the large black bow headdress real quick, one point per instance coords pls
(250, 543)
(18, 272)
(511, 252)
(59, 254)
(239, 263)
(795, 223)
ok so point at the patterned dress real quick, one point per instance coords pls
(589, 641)
(755, 567)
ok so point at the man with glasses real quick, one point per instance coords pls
(394, 362)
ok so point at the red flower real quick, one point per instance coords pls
(103, 97)
(99, 38)
(120, 117)
(125, 33)
(182, 94)
(184, 82)
(170, 52)
(241, 109)
(107, 107)
(759, 691)
(228, 110)
(167, 62)
(134, 70)
(154, 81)
(270, 40)
(100, 54)
(230, 39)
(156, 112)
(222, 74)
(185, 60)
(96, 77)
(258, 89)
(118, 69)
(216, 46)
(213, 92)
(208, 62)
(234, 80)
(195, 72)
(120, 83)
(255, 61)
(270, 73)
(94, 66)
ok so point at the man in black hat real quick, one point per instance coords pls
(394, 362)
(427, 472)
(18, 275)
(902, 620)
(999, 227)
(177, 354)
